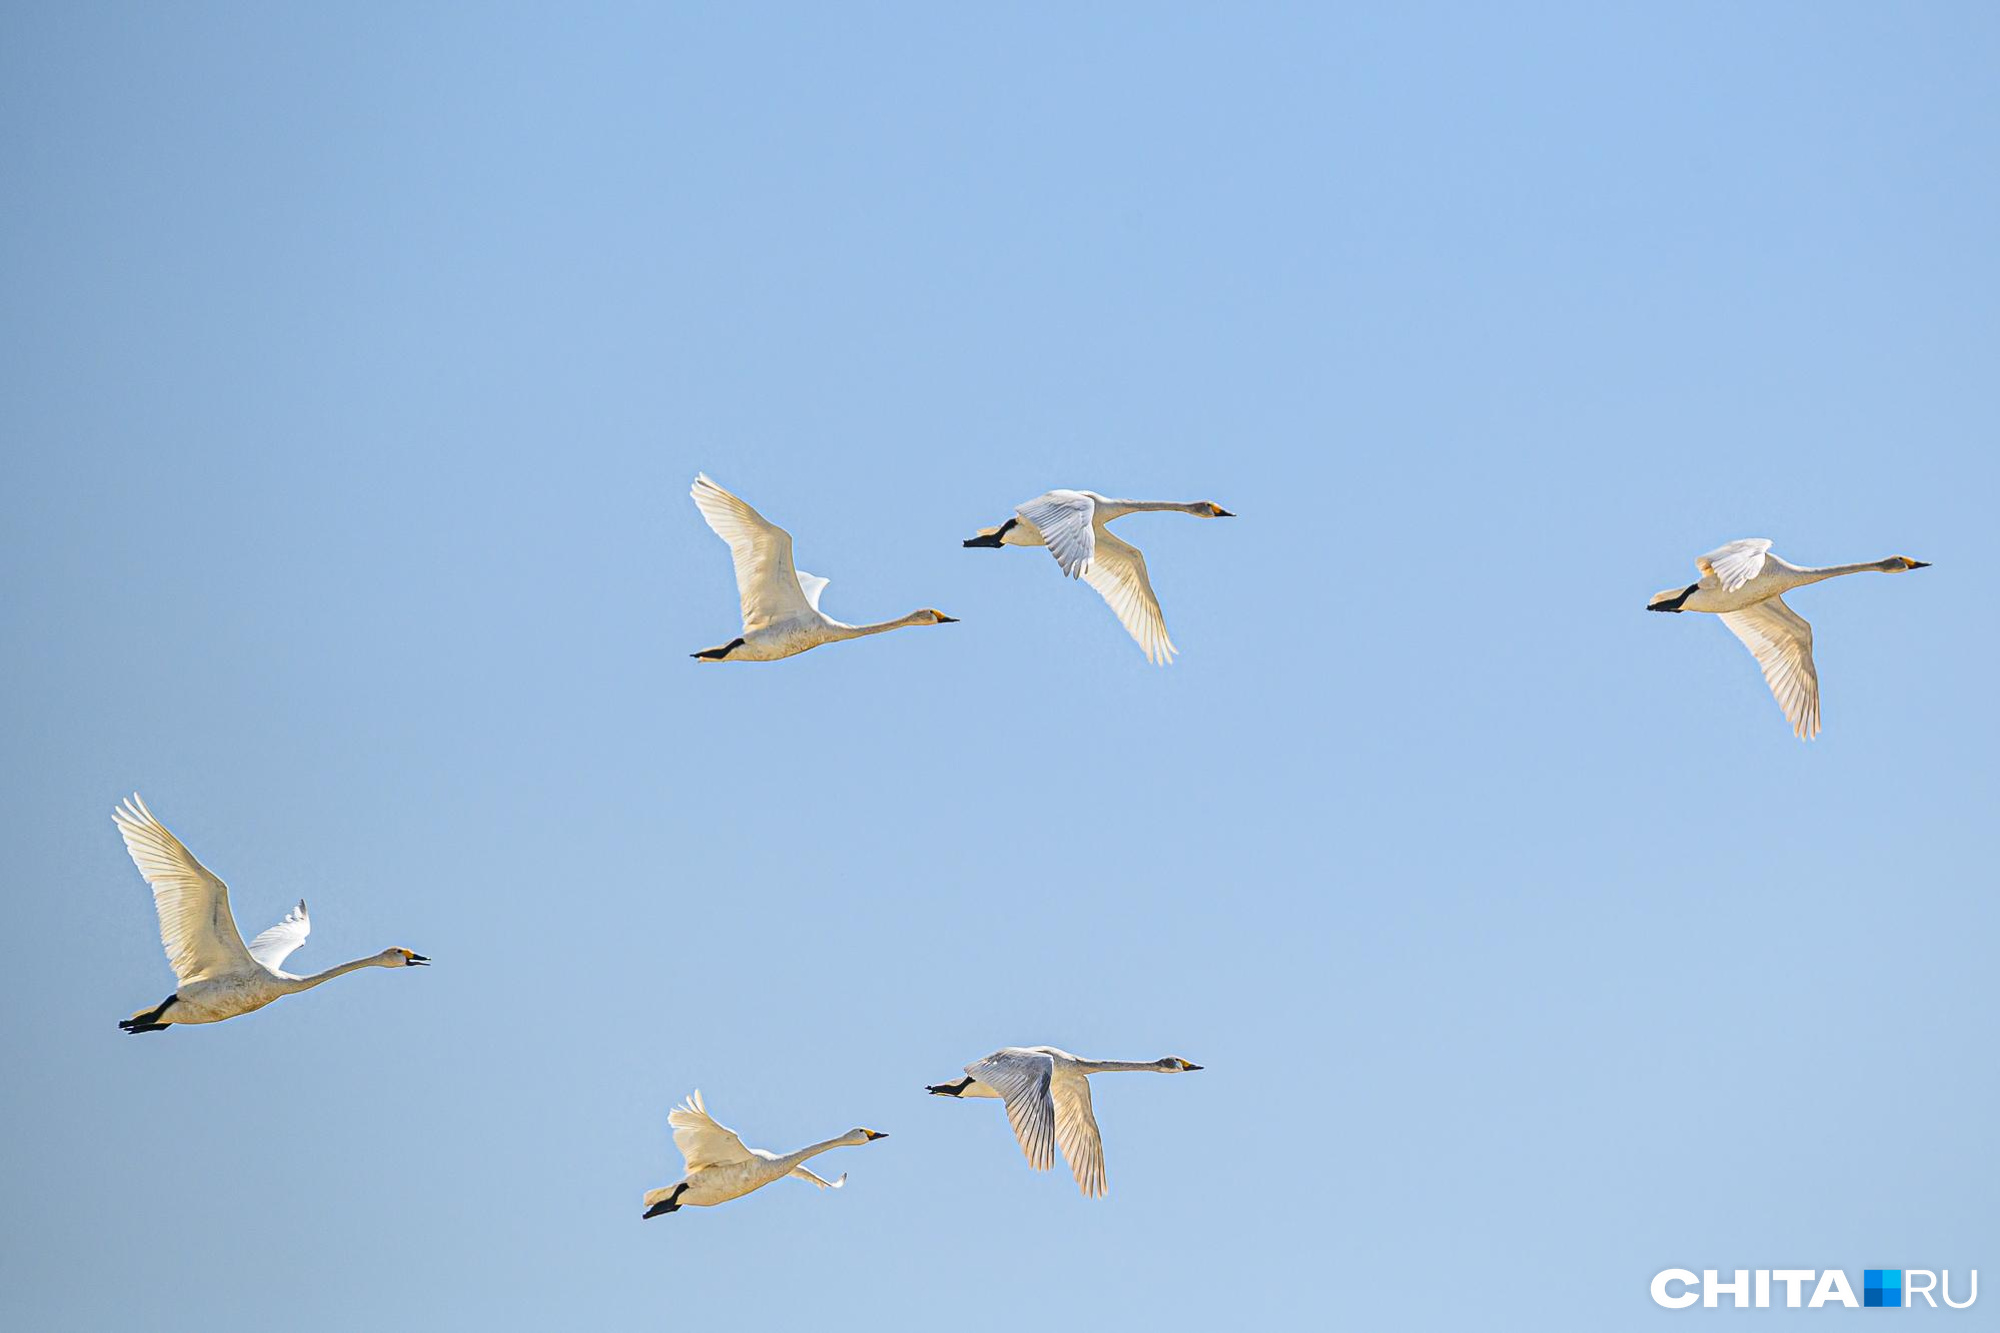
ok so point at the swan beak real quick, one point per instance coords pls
(944, 619)
(1187, 1068)
(1916, 564)
(1220, 512)
(874, 1134)
(417, 960)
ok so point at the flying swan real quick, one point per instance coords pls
(1071, 525)
(781, 615)
(1742, 582)
(720, 1168)
(219, 977)
(1047, 1093)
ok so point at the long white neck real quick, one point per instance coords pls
(1110, 509)
(307, 983)
(858, 631)
(1121, 1066)
(1802, 576)
(792, 1159)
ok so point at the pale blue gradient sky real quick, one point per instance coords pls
(354, 369)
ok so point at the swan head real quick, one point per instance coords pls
(932, 616)
(858, 1135)
(1907, 564)
(401, 958)
(1210, 509)
(1173, 1064)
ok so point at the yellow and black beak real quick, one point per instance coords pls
(944, 619)
(1187, 1068)
(416, 960)
(1220, 512)
(1916, 564)
(874, 1134)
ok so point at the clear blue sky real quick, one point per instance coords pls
(355, 366)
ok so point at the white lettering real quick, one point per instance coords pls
(1792, 1277)
(1660, 1281)
(1832, 1286)
(1911, 1290)
(1971, 1294)
(1739, 1290)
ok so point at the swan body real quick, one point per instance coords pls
(218, 975)
(1744, 584)
(780, 602)
(1047, 1093)
(721, 1168)
(1072, 525)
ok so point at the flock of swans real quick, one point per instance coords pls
(1045, 1090)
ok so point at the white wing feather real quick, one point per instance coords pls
(1119, 575)
(275, 945)
(812, 585)
(701, 1140)
(1022, 1080)
(1735, 563)
(1076, 1131)
(1066, 522)
(196, 927)
(1781, 641)
(767, 584)
(800, 1173)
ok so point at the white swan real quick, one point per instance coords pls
(1742, 582)
(1071, 525)
(1047, 1092)
(720, 1168)
(781, 615)
(219, 976)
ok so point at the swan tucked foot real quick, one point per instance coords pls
(717, 654)
(666, 1205)
(149, 1020)
(948, 1089)
(993, 537)
(1673, 603)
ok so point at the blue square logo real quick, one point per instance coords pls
(1882, 1286)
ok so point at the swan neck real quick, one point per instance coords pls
(307, 983)
(883, 627)
(1110, 509)
(1121, 1066)
(1815, 575)
(790, 1160)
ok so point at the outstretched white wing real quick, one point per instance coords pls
(275, 945)
(1781, 641)
(701, 1140)
(195, 925)
(767, 584)
(1022, 1080)
(1735, 563)
(1076, 1131)
(800, 1173)
(1065, 519)
(1119, 575)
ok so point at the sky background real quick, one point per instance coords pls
(353, 370)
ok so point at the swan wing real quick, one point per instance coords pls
(800, 1173)
(1022, 1080)
(1066, 521)
(766, 581)
(812, 585)
(1076, 1131)
(1735, 563)
(275, 945)
(701, 1140)
(200, 935)
(1119, 575)
(1781, 641)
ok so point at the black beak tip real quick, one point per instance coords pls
(1920, 564)
(1224, 513)
(418, 960)
(1192, 1068)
